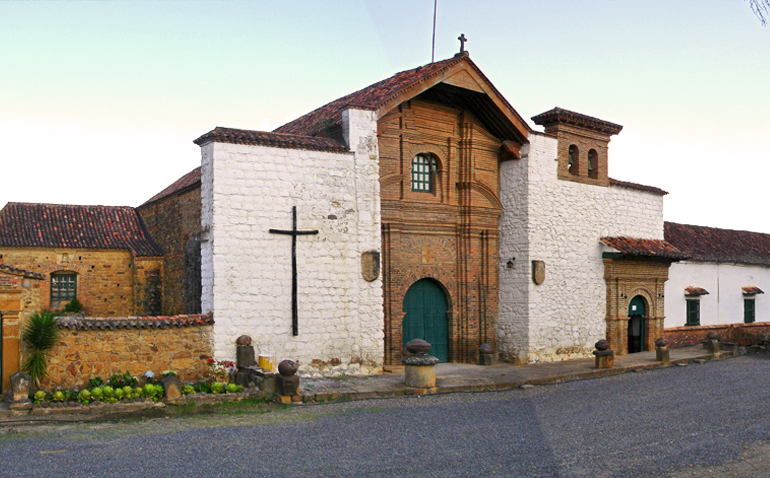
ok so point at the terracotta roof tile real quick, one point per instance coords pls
(710, 244)
(644, 247)
(695, 291)
(112, 323)
(377, 94)
(69, 226)
(263, 138)
(752, 290)
(637, 187)
(560, 115)
(190, 180)
(20, 272)
(367, 98)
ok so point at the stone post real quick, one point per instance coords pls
(485, 354)
(20, 383)
(712, 343)
(605, 358)
(287, 382)
(661, 350)
(420, 367)
(244, 362)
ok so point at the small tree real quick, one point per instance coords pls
(39, 336)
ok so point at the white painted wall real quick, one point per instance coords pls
(723, 281)
(247, 190)
(560, 222)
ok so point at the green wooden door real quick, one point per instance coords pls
(636, 325)
(425, 317)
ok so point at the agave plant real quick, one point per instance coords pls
(39, 336)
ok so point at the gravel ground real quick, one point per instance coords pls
(699, 420)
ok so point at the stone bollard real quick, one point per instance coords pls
(20, 383)
(485, 354)
(605, 358)
(244, 361)
(172, 387)
(661, 350)
(287, 382)
(420, 367)
(712, 343)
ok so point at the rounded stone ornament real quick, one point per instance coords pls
(418, 346)
(485, 349)
(603, 344)
(661, 342)
(287, 368)
(243, 340)
(713, 335)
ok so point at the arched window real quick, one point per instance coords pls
(574, 160)
(423, 173)
(593, 164)
(63, 288)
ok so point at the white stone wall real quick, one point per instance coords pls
(724, 303)
(247, 190)
(560, 223)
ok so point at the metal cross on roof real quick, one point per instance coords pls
(293, 233)
(462, 42)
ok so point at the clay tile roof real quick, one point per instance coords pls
(560, 115)
(637, 187)
(644, 247)
(710, 244)
(752, 290)
(82, 227)
(378, 94)
(20, 272)
(112, 323)
(263, 138)
(189, 181)
(695, 291)
(367, 98)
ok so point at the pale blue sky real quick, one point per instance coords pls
(100, 101)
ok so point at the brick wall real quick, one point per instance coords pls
(101, 347)
(109, 282)
(174, 223)
(449, 235)
(742, 334)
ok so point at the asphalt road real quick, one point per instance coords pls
(711, 419)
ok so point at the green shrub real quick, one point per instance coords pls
(73, 307)
(39, 336)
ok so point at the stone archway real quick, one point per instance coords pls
(626, 279)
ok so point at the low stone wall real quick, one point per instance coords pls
(90, 346)
(742, 334)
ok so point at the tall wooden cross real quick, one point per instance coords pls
(294, 233)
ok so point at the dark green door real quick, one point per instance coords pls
(636, 325)
(426, 317)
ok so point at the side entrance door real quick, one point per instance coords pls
(425, 307)
(636, 325)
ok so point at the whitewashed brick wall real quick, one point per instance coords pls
(724, 282)
(560, 222)
(247, 190)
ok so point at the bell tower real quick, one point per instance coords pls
(583, 144)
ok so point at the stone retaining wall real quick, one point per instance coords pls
(91, 346)
(742, 334)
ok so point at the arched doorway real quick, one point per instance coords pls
(425, 317)
(636, 324)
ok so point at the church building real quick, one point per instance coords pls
(422, 206)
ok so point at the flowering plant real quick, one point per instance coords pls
(219, 369)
